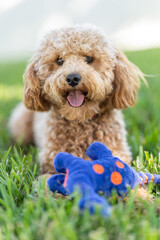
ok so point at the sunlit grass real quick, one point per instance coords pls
(9, 92)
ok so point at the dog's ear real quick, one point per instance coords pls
(126, 82)
(32, 96)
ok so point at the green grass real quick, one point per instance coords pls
(25, 213)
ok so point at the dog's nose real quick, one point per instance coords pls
(73, 79)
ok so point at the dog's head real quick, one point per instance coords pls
(80, 74)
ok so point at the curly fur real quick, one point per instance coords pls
(111, 82)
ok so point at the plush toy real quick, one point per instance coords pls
(104, 174)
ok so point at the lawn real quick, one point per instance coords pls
(25, 213)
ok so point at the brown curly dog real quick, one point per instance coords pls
(75, 86)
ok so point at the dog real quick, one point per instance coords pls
(75, 87)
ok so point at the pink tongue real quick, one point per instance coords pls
(75, 98)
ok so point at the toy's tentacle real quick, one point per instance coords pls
(55, 183)
(144, 178)
(97, 150)
(91, 200)
(156, 178)
(147, 178)
(62, 161)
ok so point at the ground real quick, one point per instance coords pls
(27, 214)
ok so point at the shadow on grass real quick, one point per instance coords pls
(6, 107)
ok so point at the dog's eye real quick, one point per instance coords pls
(89, 59)
(59, 61)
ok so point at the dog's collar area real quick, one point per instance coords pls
(95, 116)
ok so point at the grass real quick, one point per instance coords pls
(25, 213)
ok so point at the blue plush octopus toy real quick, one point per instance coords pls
(103, 174)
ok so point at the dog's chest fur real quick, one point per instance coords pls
(61, 135)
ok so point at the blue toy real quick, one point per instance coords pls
(104, 174)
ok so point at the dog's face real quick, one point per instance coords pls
(79, 73)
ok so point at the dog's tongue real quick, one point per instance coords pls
(75, 98)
